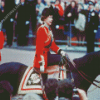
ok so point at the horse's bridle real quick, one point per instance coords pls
(85, 76)
(65, 61)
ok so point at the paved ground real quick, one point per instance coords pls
(27, 56)
(64, 47)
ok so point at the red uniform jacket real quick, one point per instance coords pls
(60, 10)
(1, 39)
(44, 42)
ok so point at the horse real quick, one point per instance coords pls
(25, 79)
(81, 71)
(85, 69)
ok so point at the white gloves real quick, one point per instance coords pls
(27, 22)
(42, 63)
(63, 53)
(11, 19)
(95, 31)
(57, 26)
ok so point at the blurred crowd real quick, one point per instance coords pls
(28, 14)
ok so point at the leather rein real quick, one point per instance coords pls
(85, 76)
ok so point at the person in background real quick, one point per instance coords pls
(59, 7)
(17, 2)
(82, 18)
(32, 13)
(1, 42)
(9, 5)
(92, 23)
(2, 15)
(70, 14)
(63, 4)
(2, 30)
(48, 3)
(39, 8)
(97, 9)
(44, 2)
(2, 6)
(22, 27)
(56, 21)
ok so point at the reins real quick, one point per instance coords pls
(65, 61)
(90, 77)
(81, 73)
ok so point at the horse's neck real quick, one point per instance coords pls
(86, 77)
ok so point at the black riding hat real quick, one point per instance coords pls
(46, 12)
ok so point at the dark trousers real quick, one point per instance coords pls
(22, 33)
(90, 38)
(53, 59)
(9, 33)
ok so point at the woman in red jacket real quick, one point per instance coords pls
(45, 42)
(59, 7)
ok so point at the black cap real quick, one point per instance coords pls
(90, 3)
(47, 11)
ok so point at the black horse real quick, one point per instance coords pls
(86, 69)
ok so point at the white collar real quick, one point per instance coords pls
(46, 25)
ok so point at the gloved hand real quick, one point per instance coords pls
(64, 55)
(27, 22)
(95, 31)
(42, 63)
(11, 19)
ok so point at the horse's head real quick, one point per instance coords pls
(86, 69)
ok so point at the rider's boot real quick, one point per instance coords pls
(44, 77)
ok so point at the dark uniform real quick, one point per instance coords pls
(9, 5)
(32, 12)
(22, 26)
(91, 28)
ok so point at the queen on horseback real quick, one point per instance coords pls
(45, 42)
